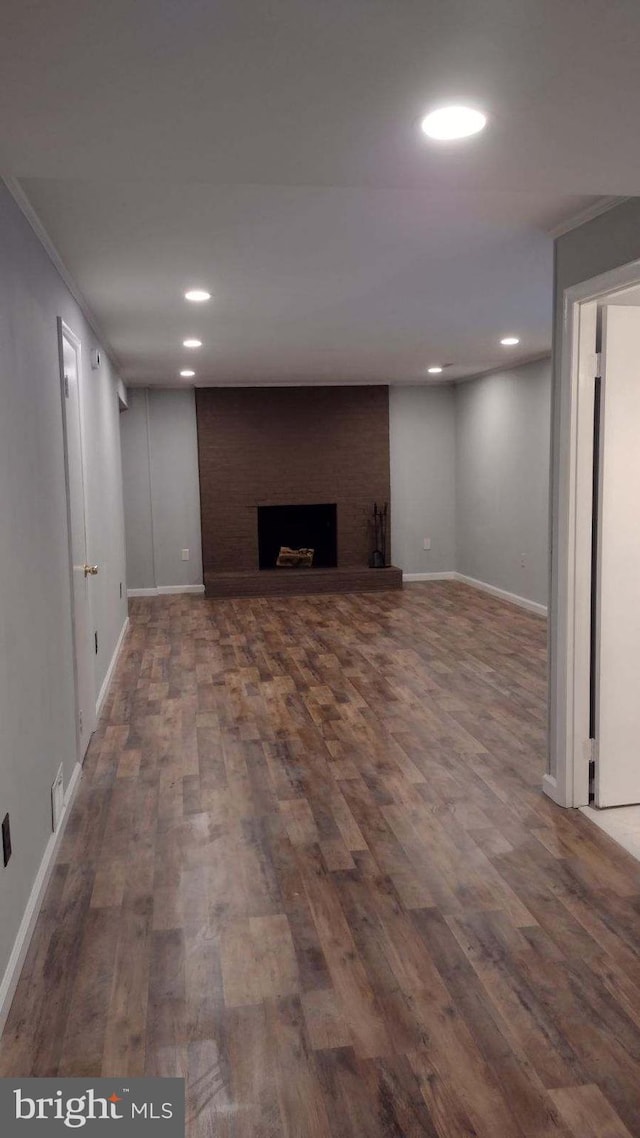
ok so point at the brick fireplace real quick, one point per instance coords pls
(286, 446)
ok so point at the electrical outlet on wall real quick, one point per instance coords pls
(185, 554)
(522, 560)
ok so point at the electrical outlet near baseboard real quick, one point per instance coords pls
(57, 799)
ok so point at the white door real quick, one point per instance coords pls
(82, 572)
(617, 626)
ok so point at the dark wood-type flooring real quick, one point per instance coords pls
(310, 867)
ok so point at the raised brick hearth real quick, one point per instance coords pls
(301, 582)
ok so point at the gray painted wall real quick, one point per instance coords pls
(37, 704)
(161, 489)
(136, 480)
(161, 484)
(502, 479)
(469, 470)
(606, 243)
(422, 442)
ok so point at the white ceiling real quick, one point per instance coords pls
(270, 150)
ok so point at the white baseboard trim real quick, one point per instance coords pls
(102, 694)
(552, 790)
(27, 925)
(449, 575)
(166, 590)
(503, 595)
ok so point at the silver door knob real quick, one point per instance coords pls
(90, 570)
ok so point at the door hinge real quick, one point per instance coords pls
(81, 722)
(95, 636)
(598, 365)
(66, 386)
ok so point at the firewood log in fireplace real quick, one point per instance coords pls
(294, 558)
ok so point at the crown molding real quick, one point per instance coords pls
(602, 205)
(500, 368)
(26, 208)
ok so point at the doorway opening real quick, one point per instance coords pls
(595, 719)
(81, 570)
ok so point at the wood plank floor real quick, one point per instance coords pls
(310, 867)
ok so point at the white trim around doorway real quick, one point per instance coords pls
(567, 783)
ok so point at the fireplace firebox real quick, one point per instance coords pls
(298, 527)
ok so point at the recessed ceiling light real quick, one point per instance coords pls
(510, 341)
(435, 370)
(187, 373)
(192, 343)
(197, 295)
(453, 122)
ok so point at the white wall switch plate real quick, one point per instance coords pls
(185, 554)
(426, 543)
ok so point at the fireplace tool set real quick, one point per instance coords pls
(378, 559)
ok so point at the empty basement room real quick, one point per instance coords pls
(320, 569)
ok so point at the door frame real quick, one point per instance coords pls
(67, 333)
(570, 748)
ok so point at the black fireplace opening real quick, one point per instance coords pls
(298, 527)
